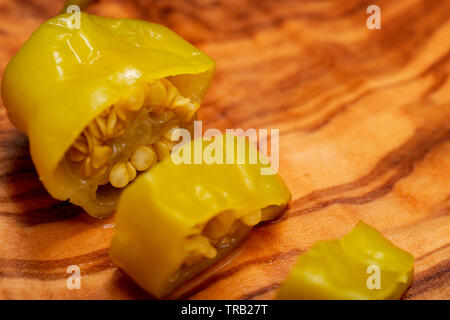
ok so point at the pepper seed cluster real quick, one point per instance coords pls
(90, 153)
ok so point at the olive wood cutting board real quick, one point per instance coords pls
(364, 119)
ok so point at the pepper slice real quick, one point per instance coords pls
(96, 102)
(362, 265)
(178, 219)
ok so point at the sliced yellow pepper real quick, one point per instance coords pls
(82, 4)
(178, 219)
(362, 265)
(64, 77)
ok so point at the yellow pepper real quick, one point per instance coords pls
(80, 94)
(178, 218)
(362, 265)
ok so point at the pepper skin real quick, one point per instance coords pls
(344, 269)
(63, 78)
(166, 208)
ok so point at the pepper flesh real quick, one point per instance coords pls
(63, 78)
(178, 219)
(347, 268)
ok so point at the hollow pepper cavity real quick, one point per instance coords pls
(98, 98)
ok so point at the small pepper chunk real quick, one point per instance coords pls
(177, 219)
(362, 265)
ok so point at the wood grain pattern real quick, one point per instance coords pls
(364, 134)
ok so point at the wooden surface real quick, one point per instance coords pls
(365, 134)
